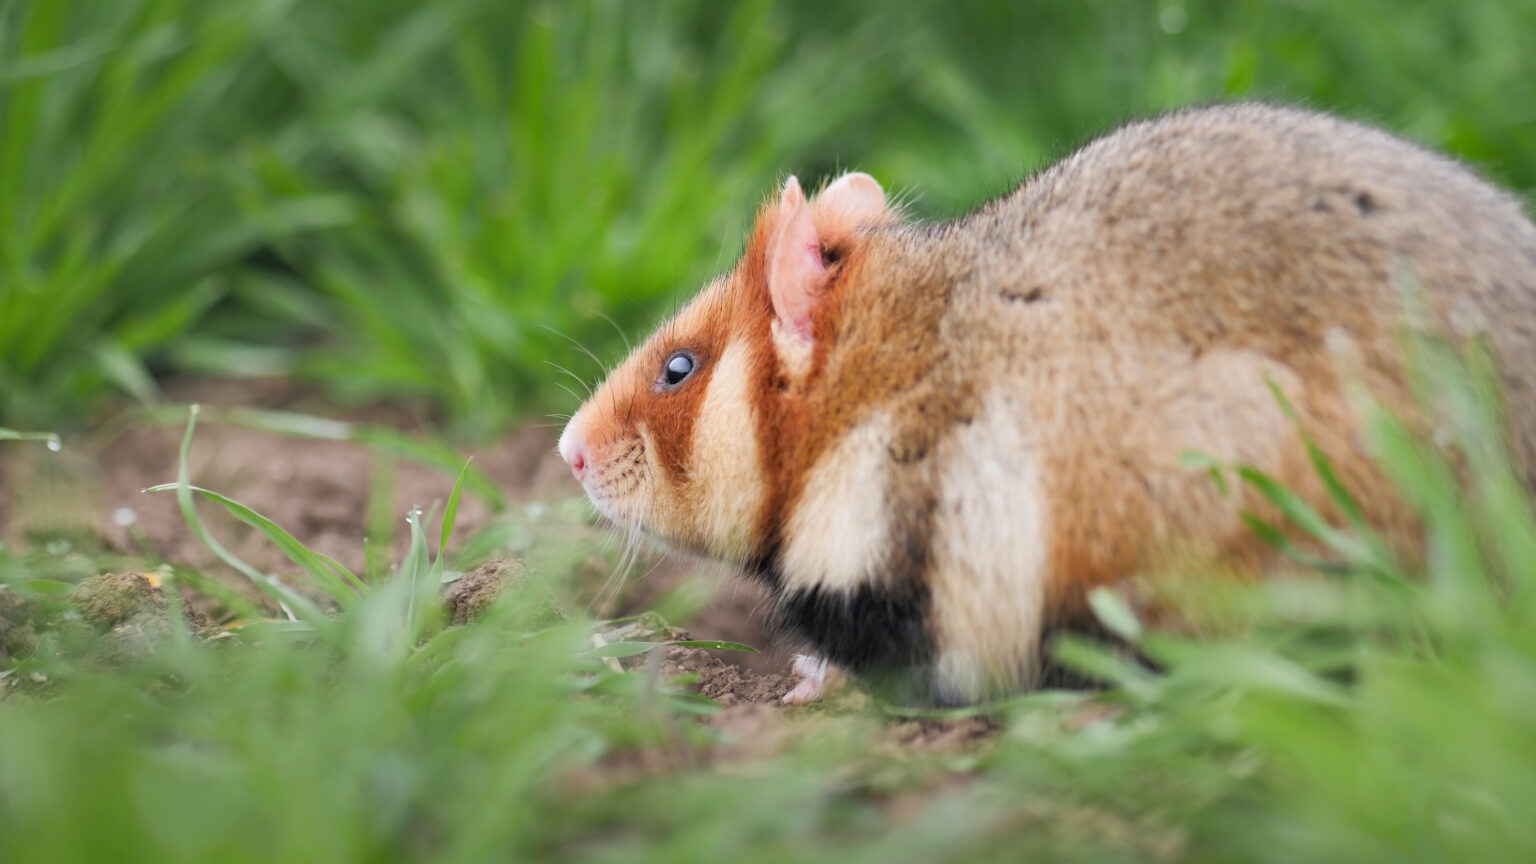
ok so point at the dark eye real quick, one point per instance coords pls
(679, 366)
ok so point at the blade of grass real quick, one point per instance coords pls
(339, 582)
(295, 605)
(1115, 614)
(239, 606)
(1320, 462)
(386, 440)
(49, 438)
(450, 513)
(379, 525)
(414, 572)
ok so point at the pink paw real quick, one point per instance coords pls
(812, 672)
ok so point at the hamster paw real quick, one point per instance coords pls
(812, 683)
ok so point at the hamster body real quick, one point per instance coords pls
(930, 441)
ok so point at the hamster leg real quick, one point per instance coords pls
(811, 673)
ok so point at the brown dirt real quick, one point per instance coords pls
(725, 682)
(20, 620)
(111, 599)
(318, 490)
(472, 594)
(90, 494)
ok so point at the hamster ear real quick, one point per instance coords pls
(796, 273)
(849, 202)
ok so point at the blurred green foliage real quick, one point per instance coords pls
(432, 199)
(435, 199)
(1372, 713)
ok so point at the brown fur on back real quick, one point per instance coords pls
(991, 418)
(1139, 293)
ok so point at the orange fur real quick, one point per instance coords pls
(1129, 304)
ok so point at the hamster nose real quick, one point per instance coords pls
(574, 451)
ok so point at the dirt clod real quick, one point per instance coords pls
(472, 594)
(724, 682)
(111, 599)
(19, 624)
(128, 609)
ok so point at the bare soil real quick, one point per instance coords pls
(89, 495)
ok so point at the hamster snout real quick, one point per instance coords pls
(573, 449)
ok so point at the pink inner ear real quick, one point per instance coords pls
(796, 272)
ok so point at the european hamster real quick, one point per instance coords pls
(931, 440)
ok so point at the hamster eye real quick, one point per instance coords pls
(679, 366)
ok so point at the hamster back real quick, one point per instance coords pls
(931, 440)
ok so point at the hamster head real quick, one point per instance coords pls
(690, 439)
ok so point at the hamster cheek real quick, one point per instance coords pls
(727, 486)
(618, 481)
(839, 534)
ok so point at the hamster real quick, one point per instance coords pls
(930, 441)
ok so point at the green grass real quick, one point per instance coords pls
(557, 163)
(1372, 712)
(436, 200)
(116, 230)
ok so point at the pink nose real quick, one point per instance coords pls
(574, 451)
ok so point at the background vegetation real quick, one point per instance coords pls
(428, 200)
(402, 198)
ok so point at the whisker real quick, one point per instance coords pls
(608, 591)
(584, 349)
(573, 393)
(652, 569)
(628, 348)
(578, 378)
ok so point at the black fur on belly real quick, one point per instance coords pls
(874, 631)
(880, 630)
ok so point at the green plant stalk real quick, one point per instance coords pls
(294, 605)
